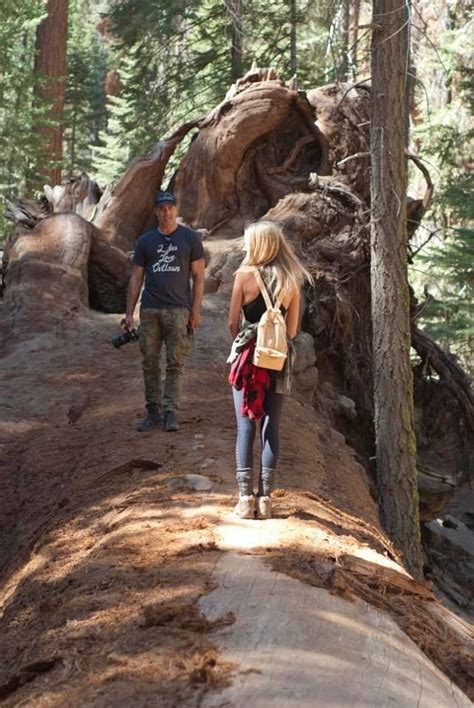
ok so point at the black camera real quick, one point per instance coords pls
(118, 340)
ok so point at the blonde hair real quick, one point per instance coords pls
(268, 248)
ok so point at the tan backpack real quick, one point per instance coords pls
(271, 347)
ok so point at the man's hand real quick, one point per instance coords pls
(194, 319)
(127, 323)
(134, 287)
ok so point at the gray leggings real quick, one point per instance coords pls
(270, 439)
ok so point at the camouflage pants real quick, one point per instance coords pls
(168, 326)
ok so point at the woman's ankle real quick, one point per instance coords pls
(266, 481)
(245, 482)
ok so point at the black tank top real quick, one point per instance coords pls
(255, 309)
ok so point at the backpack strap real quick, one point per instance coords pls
(264, 291)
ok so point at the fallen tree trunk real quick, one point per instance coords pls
(47, 271)
(301, 160)
(125, 209)
(253, 149)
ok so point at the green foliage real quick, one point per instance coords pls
(175, 63)
(449, 281)
(113, 152)
(172, 67)
(445, 267)
(84, 110)
(19, 109)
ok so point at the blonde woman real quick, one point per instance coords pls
(258, 393)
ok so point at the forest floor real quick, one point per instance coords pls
(117, 547)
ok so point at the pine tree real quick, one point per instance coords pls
(114, 151)
(449, 314)
(443, 273)
(177, 60)
(19, 109)
(85, 100)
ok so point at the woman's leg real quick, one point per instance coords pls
(244, 446)
(270, 436)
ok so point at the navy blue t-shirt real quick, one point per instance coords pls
(167, 261)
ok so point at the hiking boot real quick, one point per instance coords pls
(152, 419)
(245, 507)
(170, 423)
(264, 508)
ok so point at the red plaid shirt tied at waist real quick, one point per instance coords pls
(253, 380)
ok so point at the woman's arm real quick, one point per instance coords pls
(235, 305)
(292, 315)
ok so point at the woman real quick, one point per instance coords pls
(258, 392)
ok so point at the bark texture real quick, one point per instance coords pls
(393, 381)
(125, 209)
(47, 273)
(256, 147)
(50, 63)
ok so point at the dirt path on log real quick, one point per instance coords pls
(109, 538)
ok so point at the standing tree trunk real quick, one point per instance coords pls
(344, 64)
(50, 63)
(354, 38)
(234, 10)
(293, 48)
(393, 383)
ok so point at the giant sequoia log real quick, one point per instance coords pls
(302, 159)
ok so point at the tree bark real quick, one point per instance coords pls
(50, 64)
(354, 39)
(124, 210)
(344, 65)
(293, 49)
(393, 383)
(234, 10)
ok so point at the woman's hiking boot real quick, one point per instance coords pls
(245, 507)
(170, 424)
(153, 418)
(264, 508)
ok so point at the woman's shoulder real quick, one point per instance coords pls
(245, 273)
(246, 270)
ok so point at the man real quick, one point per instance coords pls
(167, 257)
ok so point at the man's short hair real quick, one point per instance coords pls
(165, 198)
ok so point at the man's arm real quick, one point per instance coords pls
(197, 272)
(133, 292)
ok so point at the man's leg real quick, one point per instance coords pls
(150, 340)
(176, 341)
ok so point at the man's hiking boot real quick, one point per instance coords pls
(264, 508)
(152, 419)
(170, 423)
(245, 507)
